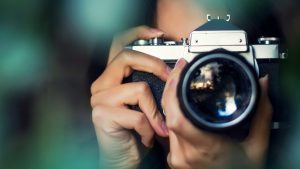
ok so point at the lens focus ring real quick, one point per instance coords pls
(218, 90)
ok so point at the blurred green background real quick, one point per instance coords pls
(45, 51)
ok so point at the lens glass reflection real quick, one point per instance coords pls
(220, 90)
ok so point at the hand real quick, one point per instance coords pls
(112, 118)
(192, 148)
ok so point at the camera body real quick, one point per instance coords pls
(219, 87)
(215, 34)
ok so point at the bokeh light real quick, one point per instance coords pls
(45, 53)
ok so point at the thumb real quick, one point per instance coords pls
(127, 37)
(256, 143)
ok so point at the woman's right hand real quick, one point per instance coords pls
(112, 118)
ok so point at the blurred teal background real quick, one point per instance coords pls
(45, 49)
(45, 52)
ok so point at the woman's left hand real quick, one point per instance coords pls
(192, 148)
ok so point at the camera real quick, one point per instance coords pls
(218, 89)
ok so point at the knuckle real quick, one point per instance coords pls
(121, 57)
(95, 100)
(157, 65)
(98, 115)
(93, 87)
(125, 55)
(143, 87)
(174, 122)
(170, 164)
(174, 161)
(170, 160)
(141, 119)
(160, 65)
(124, 60)
(101, 121)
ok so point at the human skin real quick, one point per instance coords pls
(190, 147)
(112, 118)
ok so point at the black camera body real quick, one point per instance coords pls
(218, 89)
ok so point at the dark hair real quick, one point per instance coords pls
(257, 18)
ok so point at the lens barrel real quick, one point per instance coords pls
(218, 90)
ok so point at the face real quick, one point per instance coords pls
(178, 18)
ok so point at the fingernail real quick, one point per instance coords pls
(169, 70)
(164, 127)
(177, 62)
(264, 83)
(153, 30)
(180, 63)
(266, 77)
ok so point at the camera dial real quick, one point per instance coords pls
(156, 41)
(268, 40)
(219, 88)
(141, 42)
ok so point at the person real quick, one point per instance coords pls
(189, 146)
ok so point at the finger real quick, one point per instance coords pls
(111, 120)
(125, 38)
(174, 117)
(138, 93)
(175, 157)
(176, 121)
(258, 138)
(124, 64)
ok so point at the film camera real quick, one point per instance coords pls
(218, 89)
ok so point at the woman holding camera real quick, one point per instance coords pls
(187, 146)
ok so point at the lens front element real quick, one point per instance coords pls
(218, 90)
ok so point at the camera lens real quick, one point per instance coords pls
(218, 90)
